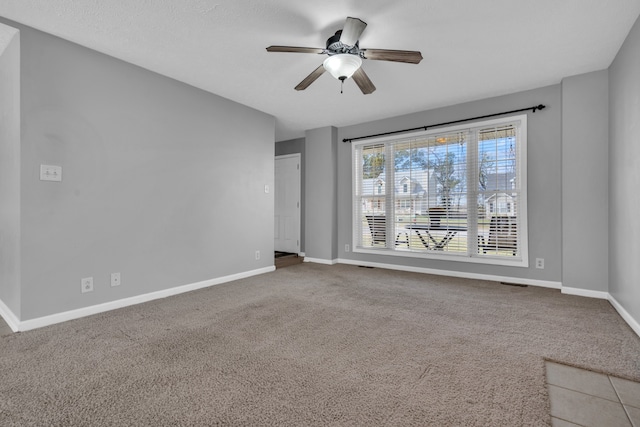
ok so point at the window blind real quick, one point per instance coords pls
(453, 193)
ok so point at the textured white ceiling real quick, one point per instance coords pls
(472, 49)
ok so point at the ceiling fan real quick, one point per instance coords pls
(345, 56)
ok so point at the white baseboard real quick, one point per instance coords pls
(633, 323)
(9, 317)
(585, 293)
(451, 273)
(321, 261)
(125, 302)
(16, 325)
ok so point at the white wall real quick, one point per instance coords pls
(162, 182)
(10, 168)
(624, 175)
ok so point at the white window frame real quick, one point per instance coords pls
(391, 250)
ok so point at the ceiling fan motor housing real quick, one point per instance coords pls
(335, 46)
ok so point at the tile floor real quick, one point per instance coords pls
(283, 259)
(584, 398)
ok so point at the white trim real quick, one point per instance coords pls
(321, 261)
(452, 273)
(462, 257)
(9, 317)
(125, 302)
(633, 323)
(16, 326)
(298, 157)
(585, 293)
(522, 260)
(289, 156)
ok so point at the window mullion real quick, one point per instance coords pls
(357, 196)
(389, 208)
(472, 192)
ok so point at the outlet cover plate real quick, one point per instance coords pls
(86, 284)
(115, 279)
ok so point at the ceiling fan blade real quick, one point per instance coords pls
(409, 56)
(363, 81)
(310, 78)
(352, 30)
(294, 49)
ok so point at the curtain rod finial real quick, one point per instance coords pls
(539, 107)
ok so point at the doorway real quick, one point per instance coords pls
(287, 204)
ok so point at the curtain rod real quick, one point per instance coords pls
(534, 108)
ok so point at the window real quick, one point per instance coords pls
(466, 201)
(404, 204)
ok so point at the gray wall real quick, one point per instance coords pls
(321, 227)
(297, 146)
(544, 181)
(162, 182)
(624, 175)
(585, 192)
(10, 168)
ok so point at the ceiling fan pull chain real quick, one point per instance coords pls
(342, 79)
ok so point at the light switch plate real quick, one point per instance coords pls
(50, 173)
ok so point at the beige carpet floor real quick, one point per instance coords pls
(315, 345)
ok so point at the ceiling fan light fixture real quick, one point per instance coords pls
(343, 65)
(345, 57)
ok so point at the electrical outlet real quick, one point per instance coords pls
(257, 255)
(86, 284)
(346, 248)
(540, 263)
(115, 279)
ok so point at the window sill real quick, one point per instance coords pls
(516, 261)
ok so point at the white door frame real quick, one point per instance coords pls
(298, 184)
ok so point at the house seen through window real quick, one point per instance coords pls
(455, 193)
